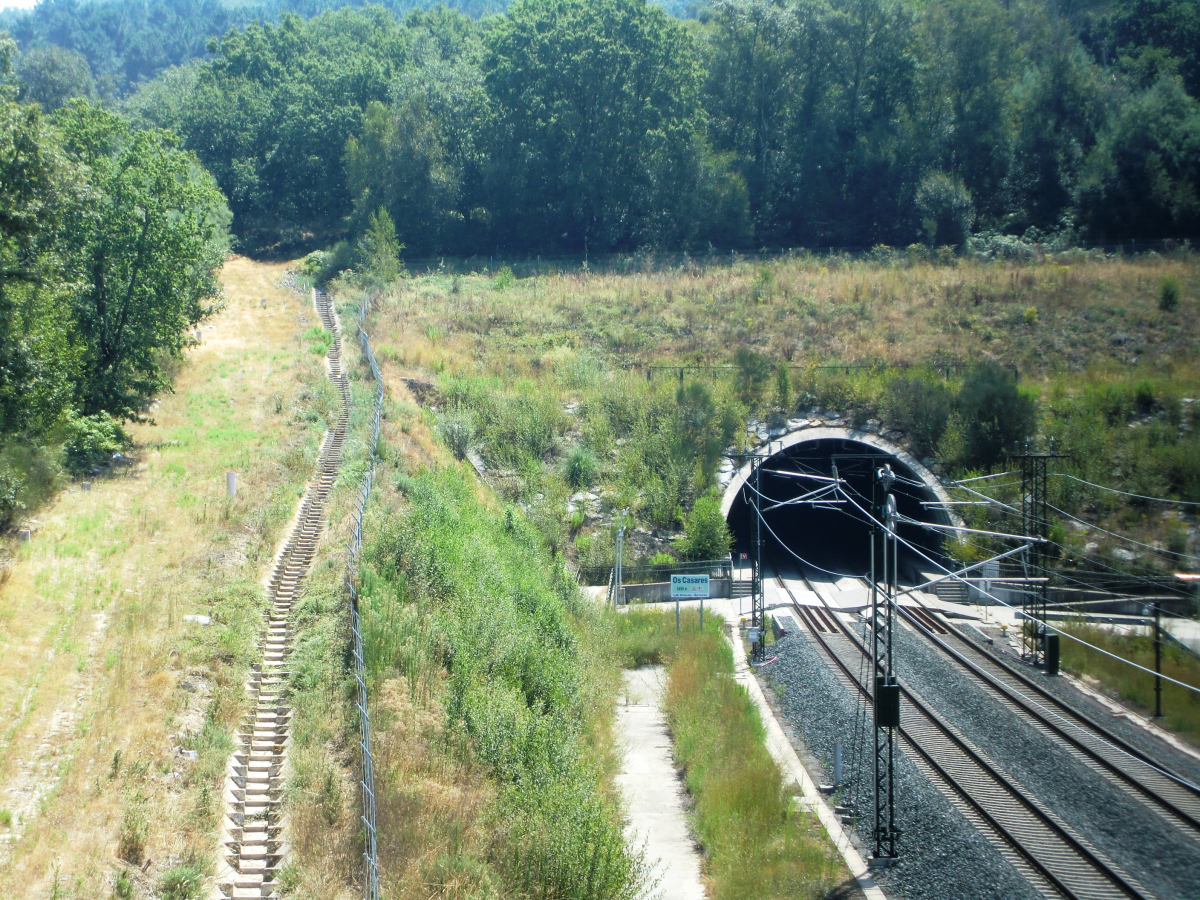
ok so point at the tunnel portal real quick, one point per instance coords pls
(834, 538)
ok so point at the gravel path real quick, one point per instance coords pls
(943, 855)
(1162, 857)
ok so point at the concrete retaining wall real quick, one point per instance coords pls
(660, 591)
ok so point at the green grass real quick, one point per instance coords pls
(1181, 707)
(467, 597)
(757, 843)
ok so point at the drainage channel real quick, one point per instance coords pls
(252, 838)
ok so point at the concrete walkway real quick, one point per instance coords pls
(654, 796)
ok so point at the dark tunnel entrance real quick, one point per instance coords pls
(834, 537)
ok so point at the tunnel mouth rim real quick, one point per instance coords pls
(826, 433)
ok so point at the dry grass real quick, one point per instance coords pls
(805, 310)
(95, 646)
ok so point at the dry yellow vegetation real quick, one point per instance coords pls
(116, 708)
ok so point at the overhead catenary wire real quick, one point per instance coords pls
(1113, 490)
(1121, 537)
(779, 541)
(1022, 613)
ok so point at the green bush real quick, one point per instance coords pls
(706, 536)
(1168, 293)
(91, 441)
(753, 373)
(10, 491)
(921, 408)
(457, 428)
(995, 414)
(580, 468)
(185, 882)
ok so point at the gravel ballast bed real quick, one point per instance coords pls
(1159, 855)
(943, 855)
(1180, 763)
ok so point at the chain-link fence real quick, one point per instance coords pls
(371, 851)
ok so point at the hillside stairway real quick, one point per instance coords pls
(253, 842)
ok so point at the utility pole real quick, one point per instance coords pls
(758, 601)
(1157, 660)
(886, 697)
(620, 557)
(1035, 482)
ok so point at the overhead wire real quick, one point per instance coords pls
(1021, 612)
(1121, 537)
(1113, 490)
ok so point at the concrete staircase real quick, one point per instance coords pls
(252, 835)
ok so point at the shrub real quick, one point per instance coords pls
(184, 882)
(706, 536)
(922, 409)
(753, 372)
(1168, 293)
(134, 829)
(1030, 315)
(581, 468)
(504, 279)
(457, 428)
(783, 387)
(10, 490)
(995, 414)
(516, 682)
(123, 885)
(92, 440)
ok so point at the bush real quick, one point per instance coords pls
(517, 681)
(581, 468)
(457, 428)
(10, 490)
(1168, 293)
(92, 440)
(184, 882)
(706, 536)
(753, 373)
(135, 828)
(995, 414)
(921, 408)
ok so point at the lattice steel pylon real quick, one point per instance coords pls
(1035, 484)
(758, 604)
(886, 696)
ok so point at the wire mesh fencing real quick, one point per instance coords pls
(367, 783)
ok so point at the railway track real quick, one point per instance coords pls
(252, 839)
(1130, 768)
(1040, 845)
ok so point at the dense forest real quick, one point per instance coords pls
(563, 126)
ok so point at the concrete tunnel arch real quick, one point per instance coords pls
(837, 539)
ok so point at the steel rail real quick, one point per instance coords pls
(1078, 722)
(1009, 809)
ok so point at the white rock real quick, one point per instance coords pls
(1091, 547)
(1123, 554)
(198, 620)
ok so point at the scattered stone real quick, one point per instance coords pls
(191, 755)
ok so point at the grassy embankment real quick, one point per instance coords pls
(756, 843)
(102, 682)
(1113, 371)
(1181, 707)
(1111, 368)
